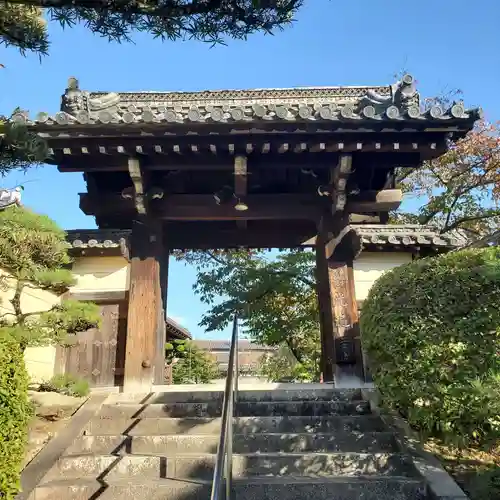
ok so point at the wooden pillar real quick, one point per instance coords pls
(145, 308)
(341, 356)
(325, 311)
(161, 334)
(348, 355)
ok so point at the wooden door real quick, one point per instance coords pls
(93, 354)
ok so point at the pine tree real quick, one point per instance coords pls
(34, 254)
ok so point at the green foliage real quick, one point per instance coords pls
(33, 249)
(461, 188)
(57, 280)
(486, 485)
(23, 27)
(72, 316)
(15, 414)
(54, 325)
(275, 297)
(432, 332)
(282, 366)
(32, 245)
(19, 148)
(190, 365)
(66, 384)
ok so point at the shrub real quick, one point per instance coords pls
(486, 485)
(15, 415)
(192, 366)
(431, 329)
(66, 384)
(282, 366)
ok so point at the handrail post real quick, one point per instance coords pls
(224, 459)
(229, 450)
(236, 360)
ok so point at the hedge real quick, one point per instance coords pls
(431, 330)
(15, 414)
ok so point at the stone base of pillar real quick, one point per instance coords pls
(137, 387)
(348, 377)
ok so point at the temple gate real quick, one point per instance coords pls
(268, 168)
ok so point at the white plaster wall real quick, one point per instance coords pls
(40, 363)
(369, 266)
(101, 274)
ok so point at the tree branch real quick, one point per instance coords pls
(16, 302)
(468, 219)
(450, 210)
(164, 8)
(7, 314)
(293, 349)
(214, 257)
(37, 313)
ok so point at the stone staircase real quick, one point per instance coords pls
(288, 444)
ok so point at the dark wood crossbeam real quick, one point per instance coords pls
(190, 162)
(185, 236)
(260, 207)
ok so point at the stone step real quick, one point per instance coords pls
(214, 409)
(344, 395)
(302, 408)
(374, 488)
(243, 443)
(109, 468)
(242, 425)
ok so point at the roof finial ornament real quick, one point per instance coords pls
(404, 91)
(73, 83)
(73, 99)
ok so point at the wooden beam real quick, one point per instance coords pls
(191, 162)
(203, 207)
(240, 183)
(260, 207)
(185, 236)
(91, 296)
(145, 305)
(137, 176)
(375, 201)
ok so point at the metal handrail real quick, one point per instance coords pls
(224, 461)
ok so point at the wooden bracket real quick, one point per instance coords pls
(346, 245)
(138, 180)
(338, 180)
(241, 183)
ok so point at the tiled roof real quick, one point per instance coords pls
(395, 103)
(387, 235)
(97, 238)
(176, 330)
(372, 235)
(224, 345)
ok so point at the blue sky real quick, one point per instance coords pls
(445, 44)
